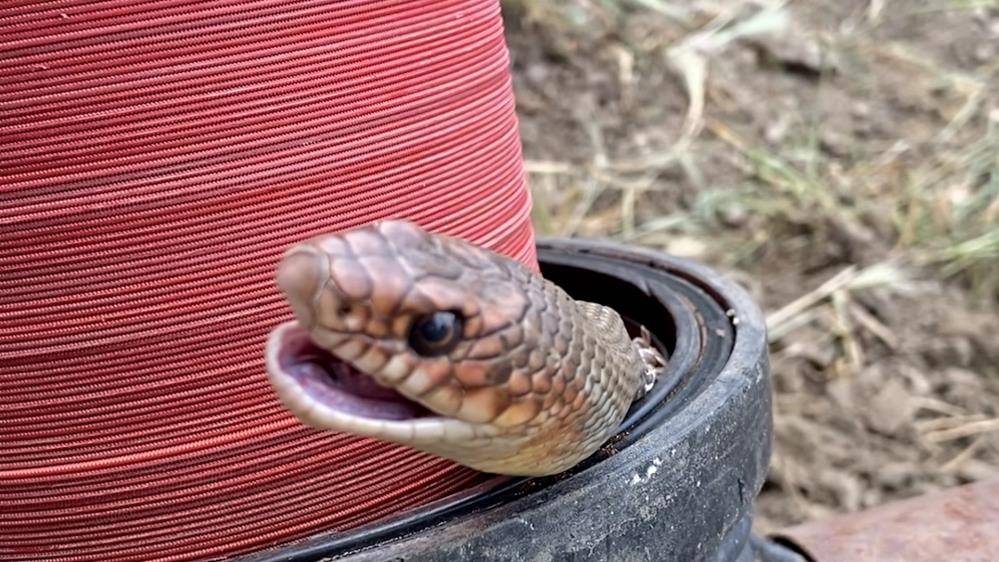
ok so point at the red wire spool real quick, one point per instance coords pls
(158, 157)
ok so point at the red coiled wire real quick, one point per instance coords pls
(157, 159)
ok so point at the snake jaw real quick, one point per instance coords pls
(309, 393)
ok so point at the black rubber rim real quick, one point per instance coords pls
(686, 316)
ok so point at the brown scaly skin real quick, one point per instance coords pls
(537, 382)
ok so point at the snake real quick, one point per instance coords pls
(431, 342)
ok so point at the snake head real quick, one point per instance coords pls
(425, 341)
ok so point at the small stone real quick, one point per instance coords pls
(891, 409)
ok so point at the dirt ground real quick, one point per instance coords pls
(839, 159)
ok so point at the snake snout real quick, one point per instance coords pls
(300, 275)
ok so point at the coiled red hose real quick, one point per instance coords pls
(157, 159)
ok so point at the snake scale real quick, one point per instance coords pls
(434, 343)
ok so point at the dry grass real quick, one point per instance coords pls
(841, 160)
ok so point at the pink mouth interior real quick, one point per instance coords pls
(338, 385)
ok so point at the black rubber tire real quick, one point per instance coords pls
(679, 480)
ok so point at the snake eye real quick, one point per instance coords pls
(435, 334)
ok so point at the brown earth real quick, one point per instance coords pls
(840, 159)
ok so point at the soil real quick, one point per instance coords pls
(839, 147)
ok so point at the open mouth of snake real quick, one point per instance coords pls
(322, 379)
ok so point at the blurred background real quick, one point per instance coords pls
(840, 160)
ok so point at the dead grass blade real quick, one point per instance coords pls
(812, 298)
(965, 430)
